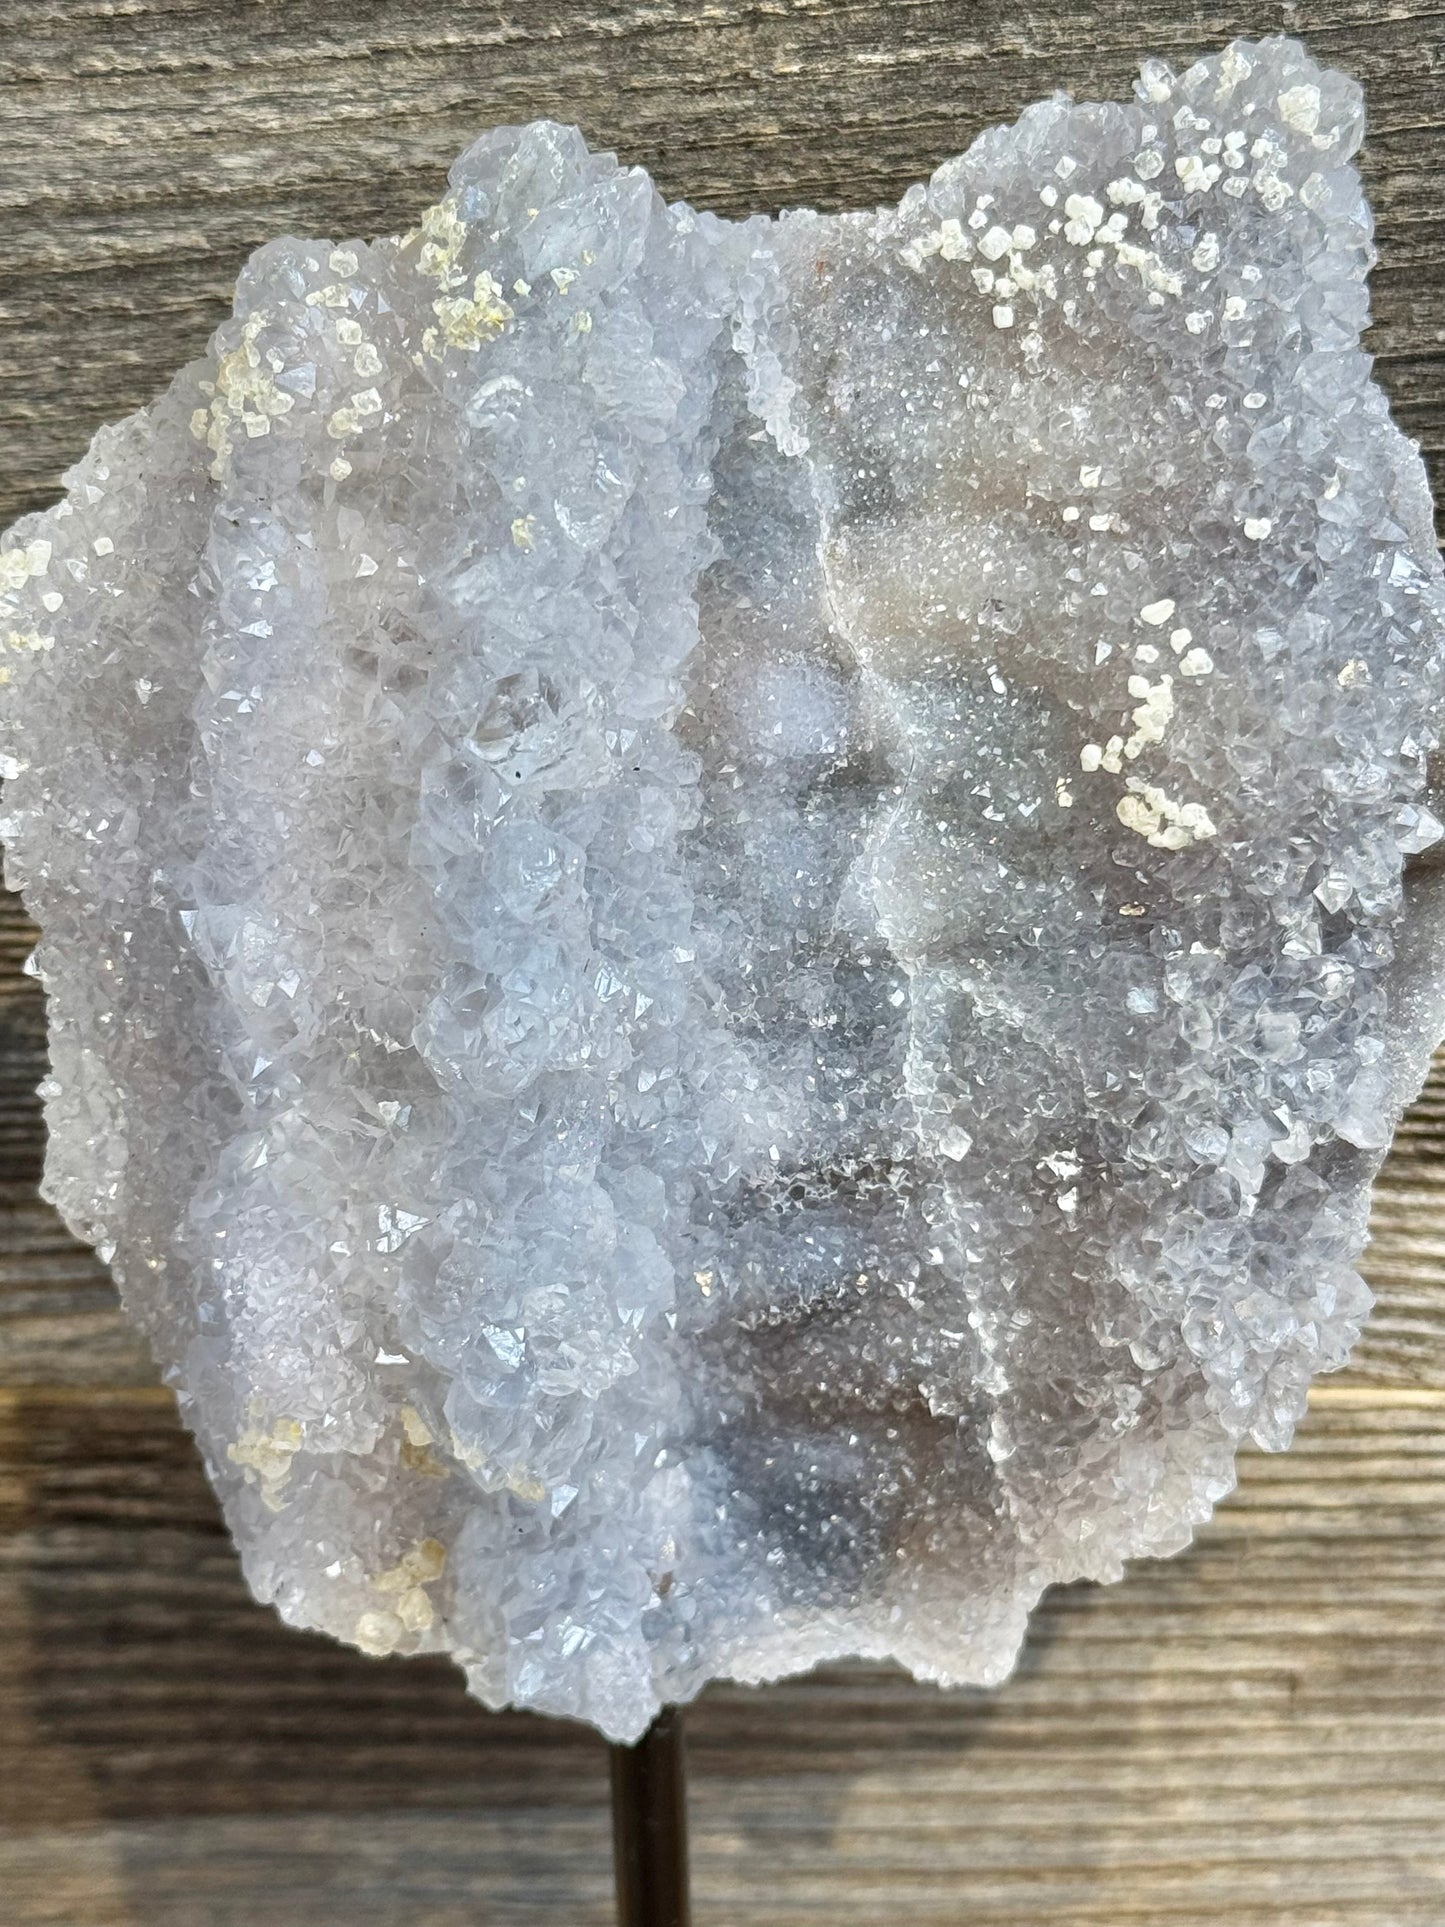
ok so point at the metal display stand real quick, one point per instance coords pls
(649, 1826)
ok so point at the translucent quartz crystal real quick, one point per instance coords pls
(724, 903)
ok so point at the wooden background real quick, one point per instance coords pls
(1253, 1733)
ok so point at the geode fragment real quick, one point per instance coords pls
(724, 903)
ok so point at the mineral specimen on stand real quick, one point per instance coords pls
(724, 904)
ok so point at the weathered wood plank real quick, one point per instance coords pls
(150, 146)
(1253, 1732)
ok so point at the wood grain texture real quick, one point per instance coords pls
(1252, 1733)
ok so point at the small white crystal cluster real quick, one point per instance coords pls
(723, 903)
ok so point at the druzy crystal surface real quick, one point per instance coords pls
(726, 904)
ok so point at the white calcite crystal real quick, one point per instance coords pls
(724, 904)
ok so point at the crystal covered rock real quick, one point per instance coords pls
(724, 904)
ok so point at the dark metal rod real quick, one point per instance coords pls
(649, 1826)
